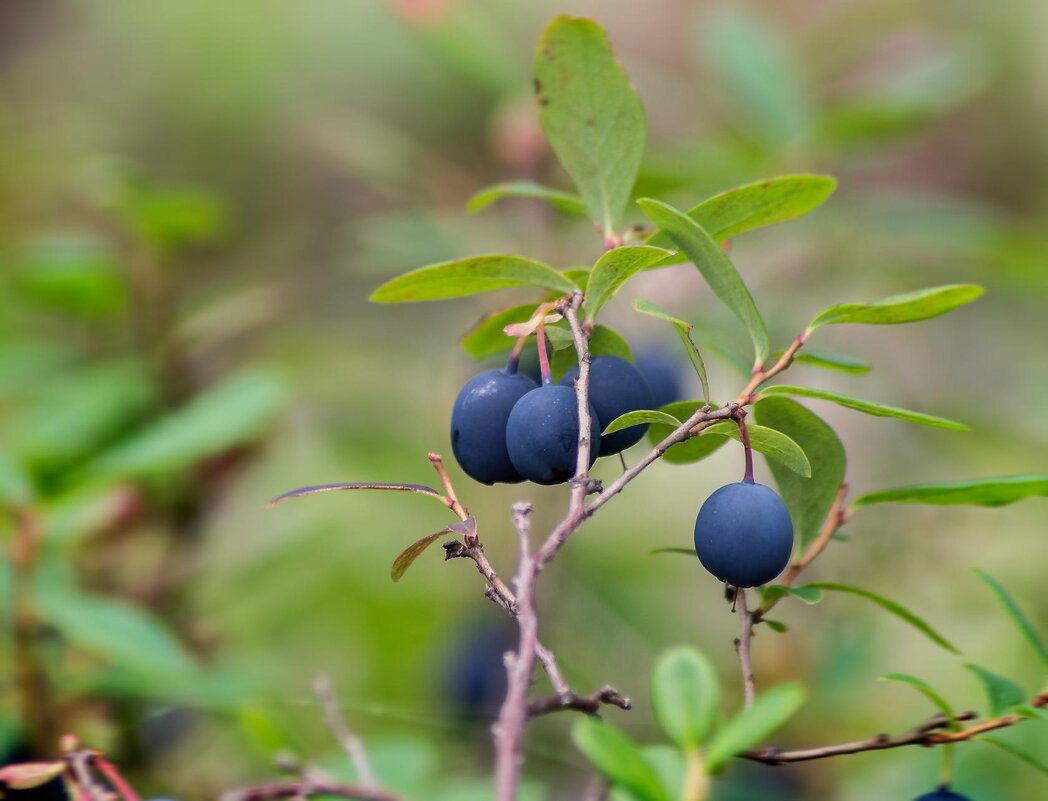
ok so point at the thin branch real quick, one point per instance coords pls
(760, 376)
(549, 664)
(450, 497)
(589, 704)
(742, 648)
(336, 723)
(304, 789)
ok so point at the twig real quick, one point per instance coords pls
(305, 789)
(742, 648)
(336, 723)
(760, 376)
(589, 704)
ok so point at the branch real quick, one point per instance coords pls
(336, 723)
(589, 704)
(760, 376)
(742, 648)
(305, 789)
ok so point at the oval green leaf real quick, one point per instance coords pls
(1002, 694)
(769, 711)
(691, 450)
(898, 610)
(865, 406)
(640, 416)
(613, 269)
(999, 491)
(590, 114)
(808, 499)
(907, 308)
(924, 689)
(774, 444)
(1016, 614)
(683, 330)
(604, 341)
(486, 338)
(618, 760)
(809, 595)
(831, 361)
(563, 201)
(719, 272)
(1018, 753)
(472, 276)
(685, 696)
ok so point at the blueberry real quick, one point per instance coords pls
(662, 374)
(478, 425)
(943, 794)
(615, 387)
(542, 434)
(743, 534)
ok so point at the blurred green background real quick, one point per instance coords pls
(197, 198)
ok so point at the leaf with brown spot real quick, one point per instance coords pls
(467, 528)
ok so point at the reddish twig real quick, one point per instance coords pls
(589, 704)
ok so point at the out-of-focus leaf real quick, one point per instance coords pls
(407, 557)
(72, 275)
(772, 592)
(691, 450)
(171, 218)
(908, 308)
(762, 76)
(769, 711)
(16, 486)
(613, 269)
(73, 517)
(604, 341)
(680, 551)
(230, 414)
(891, 606)
(808, 499)
(472, 276)
(778, 447)
(616, 758)
(683, 330)
(831, 361)
(776, 626)
(24, 364)
(1016, 614)
(924, 689)
(1001, 693)
(750, 206)
(29, 775)
(421, 489)
(719, 272)
(685, 696)
(640, 416)
(590, 114)
(74, 415)
(487, 338)
(114, 631)
(1018, 753)
(564, 201)
(668, 763)
(865, 406)
(999, 491)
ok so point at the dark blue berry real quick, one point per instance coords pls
(478, 425)
(615, 387)
(943, 794)
(542, 434)
(743, 534)
(662, 373)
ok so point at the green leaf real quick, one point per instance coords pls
(590, 114)
(1016, 614)
(114, 631)
(72, 275)
(16, 486)
(685, 696)
(72, 518)
(691, 450)
(749, 727)
(755, 205)
(669, 764)
(640, 416)
(613, 269)
(715, 267)
(831, 361)
(680, 551)
(775, 625)
(604, 341)
(616, 758)
(809, 500)
(486, 338)
(1028, 711)
(999, 491)
(907, 308)
(1016, 752)
(896, 609)
(563, 201)
(865, 406)
(810, 595)
(233, 413)
(472, 276)
(1001, 693)
(924, 689)
(774, 444)
(683, 330)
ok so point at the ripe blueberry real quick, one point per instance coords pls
(478, 425)
(542, 434)
(743, 534)
(615, 387)
(943, 794)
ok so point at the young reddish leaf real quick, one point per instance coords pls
(467, 528)
(29, 775)
(318, 488)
